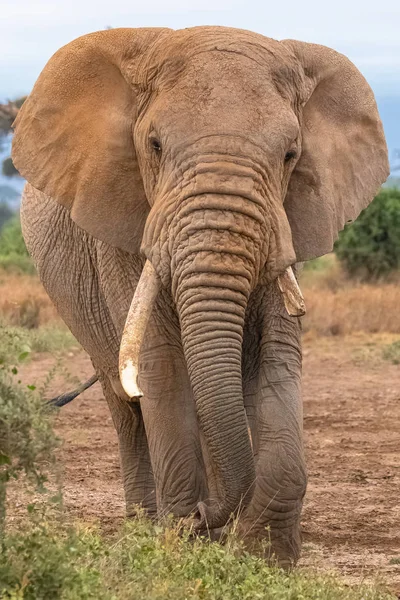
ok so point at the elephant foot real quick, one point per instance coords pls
(279, 549)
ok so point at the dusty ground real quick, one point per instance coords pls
(351, 519)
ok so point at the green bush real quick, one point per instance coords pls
(154, 562)
(27, 441)
(369, 248)
(11, 240)
(13, 253)
(46, 558)
(46, 561)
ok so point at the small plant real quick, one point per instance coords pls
(153, 561)
(369, 248)
(14, 340)
(27, 440)
(391, 352)
(50, 561)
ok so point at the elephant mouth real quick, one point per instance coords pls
(140, 311)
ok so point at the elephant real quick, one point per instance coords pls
(174, 178)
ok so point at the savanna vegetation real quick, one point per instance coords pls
(370, 248)
(45, 555)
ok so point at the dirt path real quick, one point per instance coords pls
(351, 518)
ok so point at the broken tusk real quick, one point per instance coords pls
(291, 292)
(135, 329)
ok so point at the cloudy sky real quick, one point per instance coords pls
(368, 31)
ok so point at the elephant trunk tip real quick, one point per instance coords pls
(219, 515)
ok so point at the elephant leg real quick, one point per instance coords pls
(171, 422)
(136, 470)
(273, 401)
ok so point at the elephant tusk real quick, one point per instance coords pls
(135, 328)
(291, 292)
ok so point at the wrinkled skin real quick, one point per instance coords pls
(223, 157)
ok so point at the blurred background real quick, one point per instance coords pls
(367, 32)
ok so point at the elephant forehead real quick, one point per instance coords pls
(217, 58)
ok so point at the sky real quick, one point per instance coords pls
(367, 31)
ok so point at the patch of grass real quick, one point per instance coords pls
(352, 309)
(155, 562)
(14, 257)
(323, 273)
(51, 339)
(44, 557)
(11, 240)
(27, 440)
(15, 341)
(48, 561)
(391, 352)
(323, 263)
(24, 302)
(16, 263)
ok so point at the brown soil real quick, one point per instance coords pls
(351, 520)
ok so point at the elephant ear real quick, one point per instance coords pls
(344, 157)
(74, 134)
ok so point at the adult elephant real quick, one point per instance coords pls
(222, 157)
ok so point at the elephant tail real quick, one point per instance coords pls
(64, 399)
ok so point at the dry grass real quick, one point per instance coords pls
(339, 306)
(24, 302)
(335, 304)
(366, 308)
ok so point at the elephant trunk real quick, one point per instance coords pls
(212, 330)
(213, 271)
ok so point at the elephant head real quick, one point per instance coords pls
(223, 157)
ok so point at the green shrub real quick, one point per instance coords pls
(13, 253)
(47, 562)
(369, 248)
(154, 562)
(11, 240)
(391, 352)
(27, 441)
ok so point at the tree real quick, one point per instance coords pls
(369, 248)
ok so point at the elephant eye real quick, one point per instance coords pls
(290, 155)
(155, 144)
